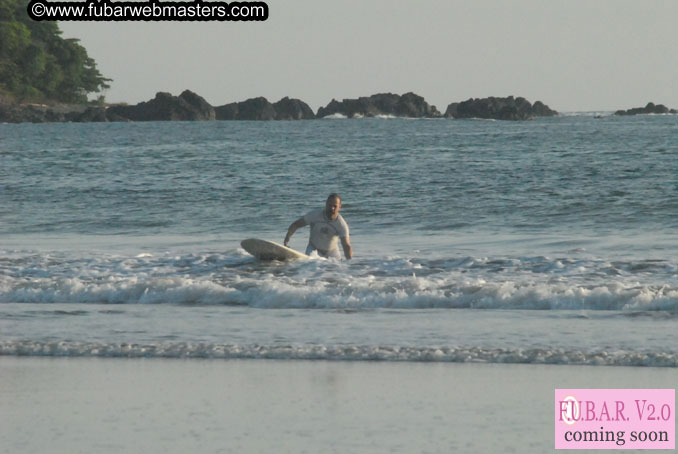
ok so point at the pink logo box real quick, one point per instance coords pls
(615, 419)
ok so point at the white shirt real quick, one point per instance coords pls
(325, 233)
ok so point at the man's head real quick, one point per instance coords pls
(333, 205)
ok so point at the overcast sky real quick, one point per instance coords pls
(574, 55)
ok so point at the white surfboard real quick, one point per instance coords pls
(269, 250)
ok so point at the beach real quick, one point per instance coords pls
(73, 405)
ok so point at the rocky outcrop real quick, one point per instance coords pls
(411, 105)
(251, 109)
(188, 106)
(227, 112)
(499, 109)
(387, 104)
(92, 115)
(203, 110)
(256, 109)
(39, 113)
(260, 109)
(542, 110)
(650, 108)
(451, 111)
(292, 109)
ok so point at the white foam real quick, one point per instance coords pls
(339, 353)
(597, 113)
(237, 279)
(359, 292)
(385, 117)
(335, 116)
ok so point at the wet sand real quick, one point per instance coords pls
(73, 405)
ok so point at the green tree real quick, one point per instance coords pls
(37, 63)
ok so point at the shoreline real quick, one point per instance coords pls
(142, 405)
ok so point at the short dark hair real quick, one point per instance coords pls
(334, 195)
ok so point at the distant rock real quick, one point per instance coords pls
(510, 108)
(188, 106)
(452, 110)
(388, 104)
(90, 115)
(261, 109)
(38, 113)
(411, 105)
(12, 113)
(650, 108)
(251, 109)
(542, 110)
(256, 109)
(292, 109)
(227, 112)
(204, 111)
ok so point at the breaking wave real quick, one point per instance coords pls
(538, 283)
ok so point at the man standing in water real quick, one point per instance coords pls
(327, 227)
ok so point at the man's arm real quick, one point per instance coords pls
(346, 244)
(299, 223)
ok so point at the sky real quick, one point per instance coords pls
(573, 55)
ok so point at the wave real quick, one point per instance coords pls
(340, 353)
(356, 293)
(339, 116)
(537, 283)
(335, 116)
(596, 113)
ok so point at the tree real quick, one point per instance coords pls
(37, 63)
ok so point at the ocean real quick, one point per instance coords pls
(548, 242)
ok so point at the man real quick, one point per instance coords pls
(327, 229)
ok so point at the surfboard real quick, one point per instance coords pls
(269, 250)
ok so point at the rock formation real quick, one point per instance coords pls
(499, 109)
(388, 104)
(292, 109)
(39, 113)
(251, 109)
(164, 107)
(650, 108)
(188, 106)
(261, 109)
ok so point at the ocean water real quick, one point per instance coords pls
(545, 242)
